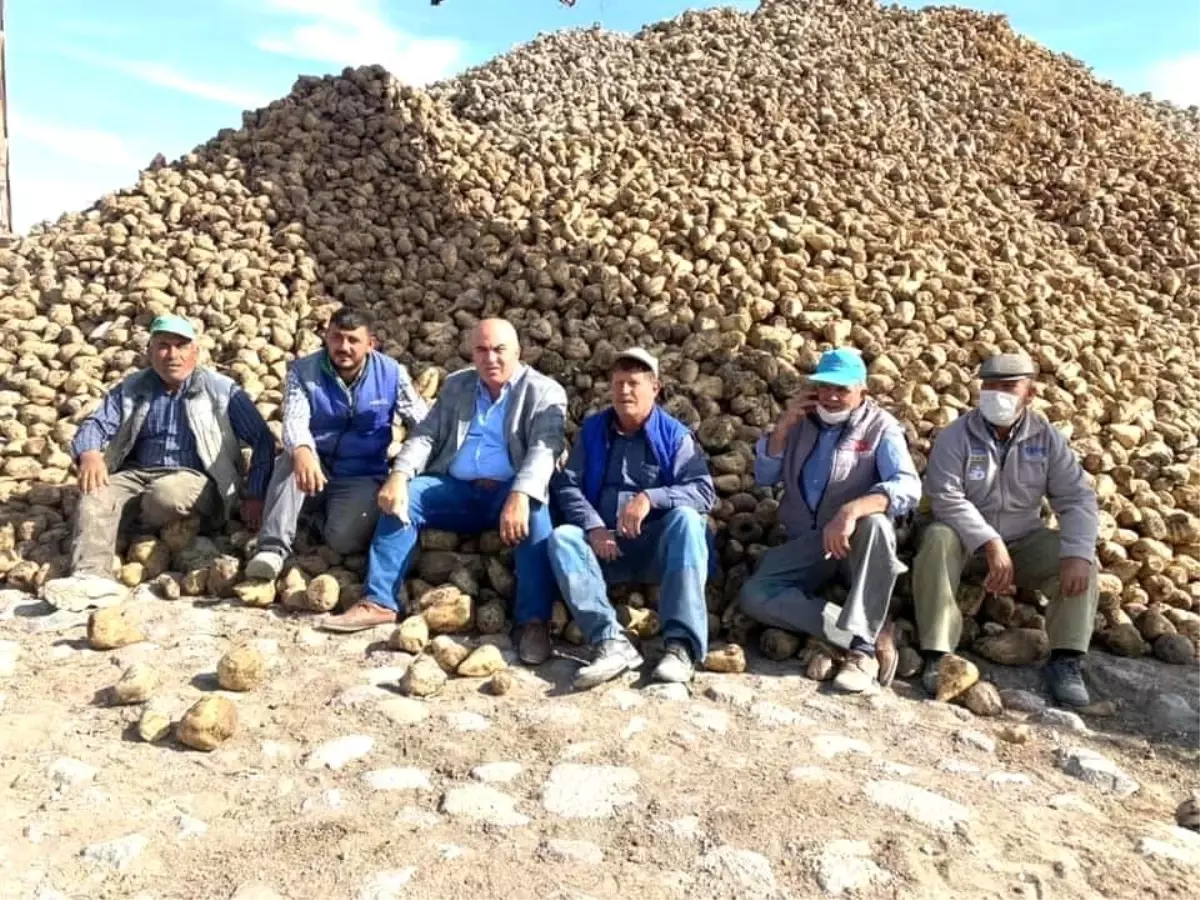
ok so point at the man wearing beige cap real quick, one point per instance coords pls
(164, 444)
(635, 496)
(987, 475)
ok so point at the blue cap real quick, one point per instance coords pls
(168, 324)
(843, 367)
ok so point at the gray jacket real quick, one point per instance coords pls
(534, 422)
(859, 466)
(982, 496)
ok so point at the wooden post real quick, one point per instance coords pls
(5, 189)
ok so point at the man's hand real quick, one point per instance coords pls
(393, 496)
(306, 469)
(799, 406)
(1000, 568)
(1073, 576)
(93, 472)
(629, 521)
(603, 544)
(514, 519)
(836, 536)
(252, 513)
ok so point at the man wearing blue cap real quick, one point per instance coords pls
(164, 444)
(847, 474)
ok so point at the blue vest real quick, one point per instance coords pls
(664, 433)
(352, 427)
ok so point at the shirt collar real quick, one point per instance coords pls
(483, 394)
(160, 385)
(327, 365)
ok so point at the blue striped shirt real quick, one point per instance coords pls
(166, 440)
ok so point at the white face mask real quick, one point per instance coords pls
(999, 408)
(833, 418)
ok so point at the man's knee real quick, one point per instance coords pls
(685, 519)
(350, 536)
(753, 597)
(876, 525)
(939, 541)
(169, 499)
(566, 540)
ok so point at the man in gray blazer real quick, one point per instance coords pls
(481, 459)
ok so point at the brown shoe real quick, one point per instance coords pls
(533, 646)
(886, 653)
(361, 616)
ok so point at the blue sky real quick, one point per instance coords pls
(97, 87)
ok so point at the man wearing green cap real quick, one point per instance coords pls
(164, 444)
(847, 474)
(988, 473)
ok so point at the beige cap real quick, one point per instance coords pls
(639, 355)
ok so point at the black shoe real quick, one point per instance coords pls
(1064, 677)
(929, 675)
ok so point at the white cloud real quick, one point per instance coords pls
(355, 33)
(164, 76)
(57, 167)
(1177, 79)
(88, 145)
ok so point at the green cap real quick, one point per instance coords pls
(168, 324)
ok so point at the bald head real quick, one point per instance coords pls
(496, 352)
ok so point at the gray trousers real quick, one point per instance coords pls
(347, 507)
(152, 498)
(783, 591)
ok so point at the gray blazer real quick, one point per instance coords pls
(534, 422)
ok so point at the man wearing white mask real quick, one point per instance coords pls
(987, 475)
(847, 475)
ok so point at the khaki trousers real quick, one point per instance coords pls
(153, 497)
(938, 570)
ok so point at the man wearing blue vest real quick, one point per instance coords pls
(847, 474)
(339, 407)
(635, 495)
(164, 444)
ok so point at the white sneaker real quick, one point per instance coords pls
(75, 593)
(613, 657)
(676, 666)
(265, 566)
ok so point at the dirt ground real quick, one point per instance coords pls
(754, 785)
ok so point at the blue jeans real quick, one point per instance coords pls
(671, 551)
(439, 501)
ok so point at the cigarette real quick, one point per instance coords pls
(829, 556)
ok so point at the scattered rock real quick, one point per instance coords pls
(1176, 649)
(323, 593)
(1001, 779)
(254, 890)
(975, 739)
(957, 767)
(497, 772)
(481, 803)
(1016, 734)
(1022, 701)
(404, 711)
(447, 610)
(253, 593)
(338, 752)
(1124, 640)
(708, 719)
(411, 635)
(448, 652)
(397, 779)
(67, 773)
(1097, 770)
(777, 644)
(808, 774)
(738, 873)
(847, 867)
(501, 683)
(154, 724)
(983, 699)
(462, 720)
(955, 677)
(222, 575)
(730, 659)
(1061, 718)
(576, 791)
(208, 724)
(1187, 814)
(136, 685)
(110, 628)
(189, 828)
(424, 678)
(241, 669)
(921, 806)
(119, 853)
(772, 715)
(909, 664)
(1015, 647)
(670, 692)
(490, 617)
(831, 745)
(483, 661)
(387, 885)
(822, 665)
